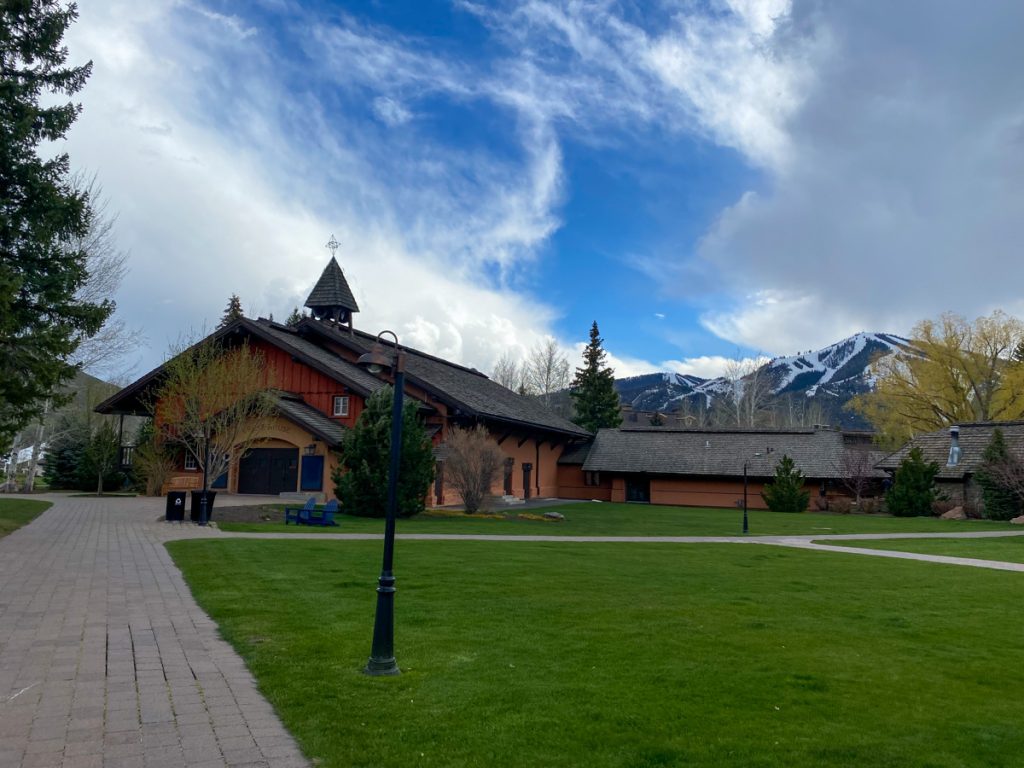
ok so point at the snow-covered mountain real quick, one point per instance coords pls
(830, 376)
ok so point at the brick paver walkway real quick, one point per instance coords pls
(105, 658)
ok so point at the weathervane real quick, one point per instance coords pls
(332, 245)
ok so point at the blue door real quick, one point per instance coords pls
(312, 473)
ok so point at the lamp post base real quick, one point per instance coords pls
(381, 667)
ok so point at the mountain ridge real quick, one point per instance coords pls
(827, 378)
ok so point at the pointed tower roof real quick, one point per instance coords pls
(331, 291)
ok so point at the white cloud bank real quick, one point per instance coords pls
(891, 138)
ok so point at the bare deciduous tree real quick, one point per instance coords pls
(215, 403)
(472, 465)
(547, 370)
(856, 469)
(105, 352)
(747, 394)
(1008, 474)
(511, 374)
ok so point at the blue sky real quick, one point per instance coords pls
(706, 179)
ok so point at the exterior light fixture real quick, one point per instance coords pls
(382, 654)
(746, 524)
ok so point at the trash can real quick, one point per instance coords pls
(175, 507)
(195, 513)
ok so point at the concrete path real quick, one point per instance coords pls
(105, 658)
(813, 542)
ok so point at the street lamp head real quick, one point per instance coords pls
(376, 360)
(379, 359)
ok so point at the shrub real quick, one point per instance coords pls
(821, 503)
(913, 487)
(871, 506)
(842, 505)
(472, 465)
(1001, 502)
(785, 493)
(361, 477)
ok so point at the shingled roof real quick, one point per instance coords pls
(719, 453)
(297, 411)
(465, 389)
(974, 437)
(332, 290)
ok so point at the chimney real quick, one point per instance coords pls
(954, 447)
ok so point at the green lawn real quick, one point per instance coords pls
(1009, 549)
(15, 513)
(605, 655)
(602, 519)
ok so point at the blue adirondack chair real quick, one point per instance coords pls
(326, 515)
(299, 515)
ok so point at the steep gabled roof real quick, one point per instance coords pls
(131, 399)
(974, 438)
(465, 389)
(719, 453)
(332, 290)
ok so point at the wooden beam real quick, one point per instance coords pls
(520, 445)
(504, 437)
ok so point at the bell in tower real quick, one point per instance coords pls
(331, 299)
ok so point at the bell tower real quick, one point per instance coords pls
(331, 299)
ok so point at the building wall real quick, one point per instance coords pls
(572, 484)
(282, 434)
(674, 491)
(316, 389)
(535, 451)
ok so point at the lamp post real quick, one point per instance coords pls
(746, 524)
(203, 510)
(382, 655)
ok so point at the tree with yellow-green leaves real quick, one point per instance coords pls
(957, 371)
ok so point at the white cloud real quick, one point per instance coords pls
(391, 111)
(213, 204)
(709, 366)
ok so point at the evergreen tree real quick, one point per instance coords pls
(42, 215)
(913, 486)
(233, 311)
(595, 401)
(294, 318)
(786, 491)
(361, 478)
(1001, 503)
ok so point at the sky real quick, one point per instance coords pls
(706, 179)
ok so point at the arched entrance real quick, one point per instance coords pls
(269, 471)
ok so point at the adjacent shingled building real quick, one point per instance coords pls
(706, 467)
(956, 476)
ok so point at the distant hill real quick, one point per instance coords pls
(826, 379)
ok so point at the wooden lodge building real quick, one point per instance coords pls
(320, 392)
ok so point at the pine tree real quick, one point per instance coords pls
(595, 401)
(294, 318)
(913, 486)
(361, 478)
(1001, 503)
(786, 491)
(233, 311)
(42, 215)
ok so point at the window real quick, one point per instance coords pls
(341, 405)
(591, 478)
(190, 462)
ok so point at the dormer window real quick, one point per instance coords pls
(340, 405)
